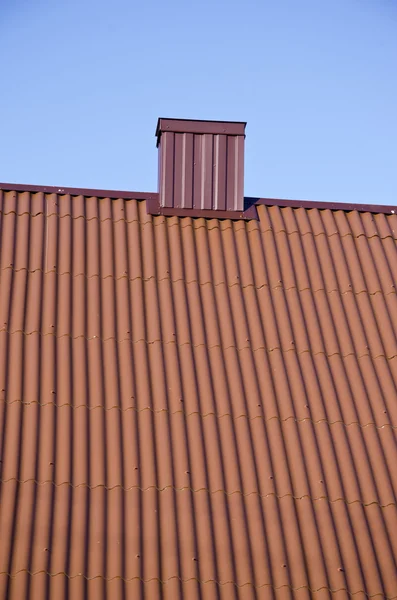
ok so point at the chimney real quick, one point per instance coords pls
(201, 168)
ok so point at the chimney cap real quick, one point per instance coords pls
(199, 126)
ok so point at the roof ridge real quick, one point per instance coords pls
(115, 194)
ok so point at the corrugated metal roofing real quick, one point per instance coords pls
(196, 408)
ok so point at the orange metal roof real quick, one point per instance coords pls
(196, 408)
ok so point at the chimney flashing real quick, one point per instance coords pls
(249, 213)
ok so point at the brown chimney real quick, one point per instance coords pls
(201, 166)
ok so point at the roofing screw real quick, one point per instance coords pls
(340, 569)
(187, 472)
(135, 468)
(194, 558)
(271, 477)
(306, 406)
(51, 464)
(284, 566)
(138, 556)
(321, 481)
(385, 412)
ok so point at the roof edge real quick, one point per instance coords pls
(347, 207)
(45, 189)
(153, 196)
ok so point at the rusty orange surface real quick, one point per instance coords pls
(193, 408)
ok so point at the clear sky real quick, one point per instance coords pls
(84, 81)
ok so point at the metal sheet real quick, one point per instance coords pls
(201, 168)
(196, 408)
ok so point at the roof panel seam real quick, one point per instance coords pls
(119, 486)
(195, 281)
(155, 218)
(196, 413)
(196, 579)
(167, 342)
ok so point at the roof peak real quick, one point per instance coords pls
(153, 197)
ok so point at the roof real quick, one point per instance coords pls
(196, 408)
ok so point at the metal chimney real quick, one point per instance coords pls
(201, 165)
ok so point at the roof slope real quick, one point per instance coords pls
(196, 408)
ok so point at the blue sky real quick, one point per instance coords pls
(84, 82)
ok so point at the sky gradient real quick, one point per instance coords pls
(84, 82)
